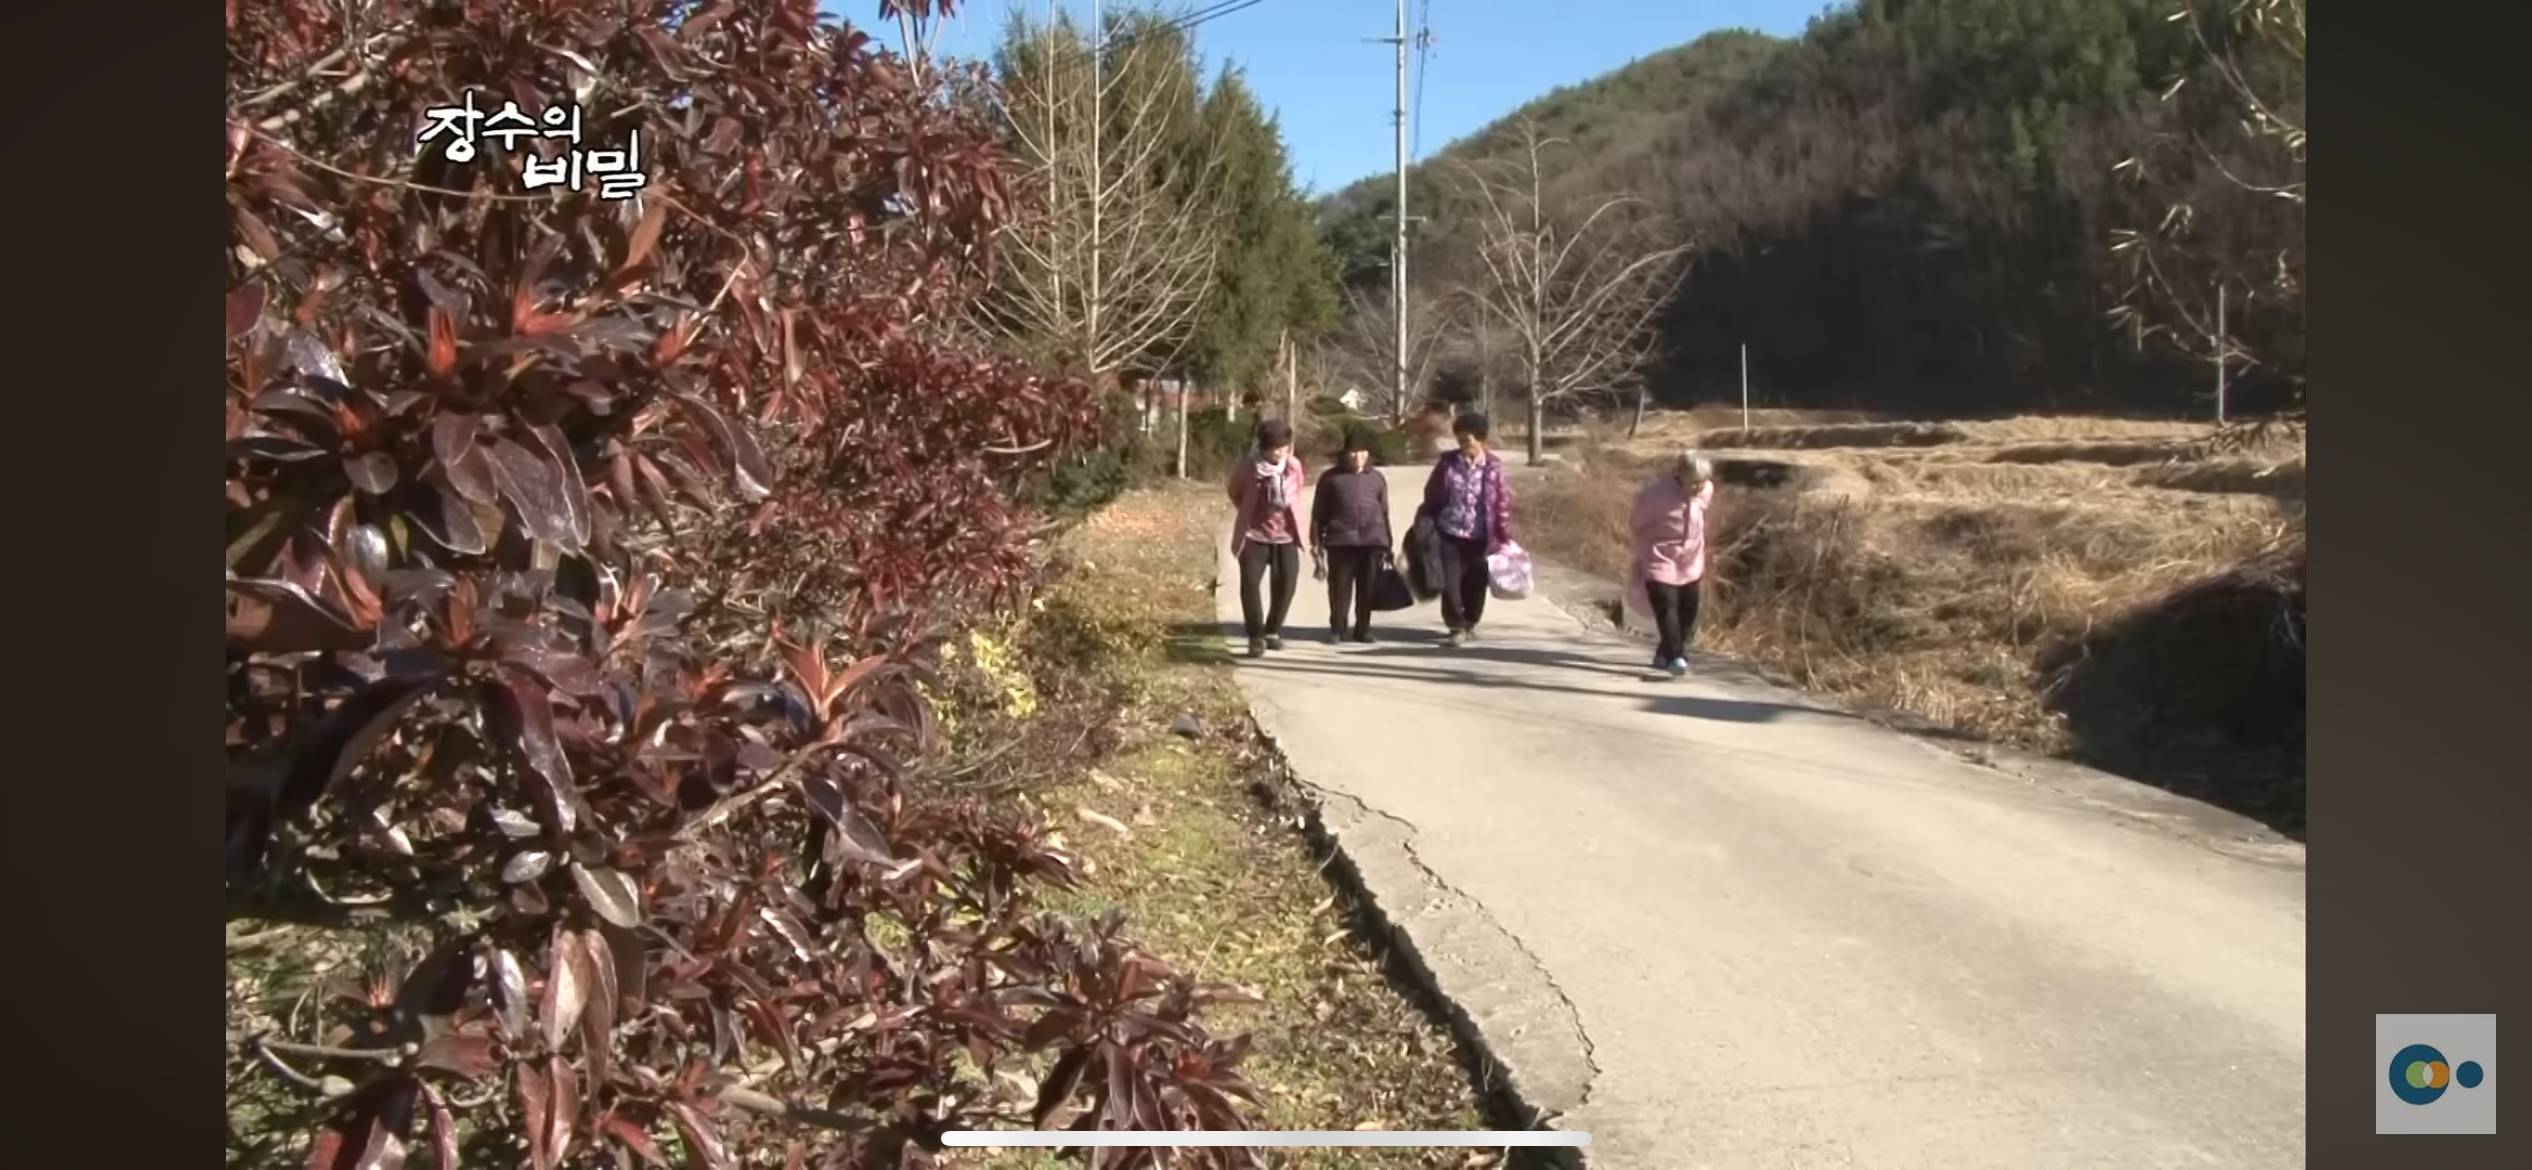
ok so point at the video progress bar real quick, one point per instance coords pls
(1283, 1139)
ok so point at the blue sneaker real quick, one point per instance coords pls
(1677, 667)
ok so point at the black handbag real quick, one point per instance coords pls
(1389, 591)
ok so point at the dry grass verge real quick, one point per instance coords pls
(2141, 631)
(1207, 873)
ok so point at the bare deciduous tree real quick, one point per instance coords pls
(1364, 346)
(2231, 201)
(1574, 288)
(1117, 260)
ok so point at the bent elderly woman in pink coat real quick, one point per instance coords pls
(1669, 524)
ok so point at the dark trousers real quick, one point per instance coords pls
(1463, 582)
(1351, 570)
(1675, 615)
(1255, 558)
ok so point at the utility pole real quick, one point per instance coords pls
(1398, 244)
(1398, 240)
(1745, 385)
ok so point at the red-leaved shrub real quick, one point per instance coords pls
(583, 557)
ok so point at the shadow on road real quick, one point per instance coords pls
(1435, 665)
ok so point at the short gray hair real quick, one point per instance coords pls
(1692, 461)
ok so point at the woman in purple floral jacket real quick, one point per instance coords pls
(1471, 505)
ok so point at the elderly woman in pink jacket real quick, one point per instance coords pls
(1669, 524)
(1267, 535)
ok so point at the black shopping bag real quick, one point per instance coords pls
(1389, 591)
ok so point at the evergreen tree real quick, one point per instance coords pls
(1274, 278)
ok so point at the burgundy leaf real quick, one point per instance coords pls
(645, 237)
(443, 514)
(702, 1138)
(465, 1054)
(788, 925)
(525, 717)
(657, 493)
(566, 1117)
(564, 671)
(509, 981)
(245, 307)
(748, 468)
(633, 1138)
(1058, 1086)
(283, 617)
(597, 1021)
(374, 472)
(825, 797)
(526, 867)
(367, 1133)
(335, 1148)
(471, 474)
(443, 1129)
(436, 988)
(1120, 1102)
(566, 987)
(614, 896)
(632, 975)
(529, 481)
(567, 478)
(535, 1113)
(1049, 1028)
(859, 840)
(452, 436)
(346, 737)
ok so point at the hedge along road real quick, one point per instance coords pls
(1715, 923)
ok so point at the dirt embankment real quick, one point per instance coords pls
(2125, 594)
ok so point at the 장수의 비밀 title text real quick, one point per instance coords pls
(617, 172)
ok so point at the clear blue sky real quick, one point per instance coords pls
(1333, 91)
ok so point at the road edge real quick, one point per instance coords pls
(1534, 1060)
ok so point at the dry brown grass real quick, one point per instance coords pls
(2063, 428)
(1208, 875)
(2284, 480)
(2108, 452)
(1802, 438)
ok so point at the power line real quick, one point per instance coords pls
(1201, 16)
(1218, 11)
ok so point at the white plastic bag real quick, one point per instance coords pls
(1508, 574)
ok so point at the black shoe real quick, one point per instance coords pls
(1363, 637)
(1274, 641)
(1257, 647)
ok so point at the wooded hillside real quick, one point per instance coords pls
(1917, 205)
